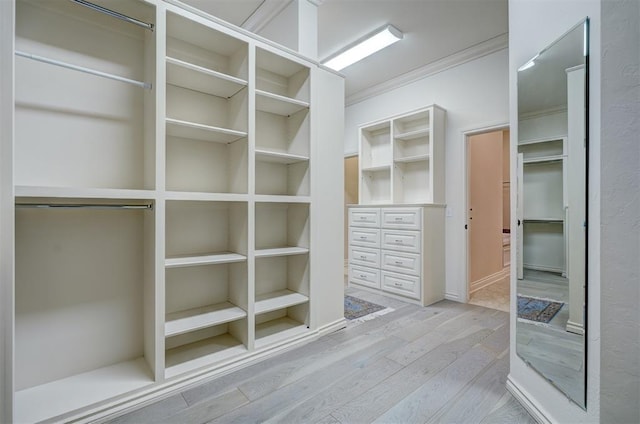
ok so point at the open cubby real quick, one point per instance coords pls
(203, 166)
(281, 228)
(283, 134)
(201, 232)
(411, 126)
(281, 77)
(375, 186)
(409, 181)
(411, 149)
(544, 246)
(64, 136)
(282, 324)
(539, 149)
(276, 177)
(82, 281)
(543, 190)
(375, 146)
(281, 281)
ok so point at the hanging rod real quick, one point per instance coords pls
(140, 84)
(81, 206)
(114, 14)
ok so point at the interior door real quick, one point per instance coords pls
(519, 217)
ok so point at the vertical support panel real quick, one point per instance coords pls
(251, 212)
(7, 45)
(326, 214)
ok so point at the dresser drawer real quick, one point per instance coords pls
(367, 237)
(364, 256)
(405, 263)
(369, 277)
(402, 218)
(405, 285)
(406, 241)
(364, 217)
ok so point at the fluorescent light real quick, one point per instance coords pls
(372, 43)
(530, 64)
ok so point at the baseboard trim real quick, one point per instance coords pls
(525, 400)
(574, 327)
(331, 327)
(488, 280)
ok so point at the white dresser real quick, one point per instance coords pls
(398, 250)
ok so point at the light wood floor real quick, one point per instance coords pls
(446, 363)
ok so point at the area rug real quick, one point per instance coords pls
(538, 310)
(355, 308)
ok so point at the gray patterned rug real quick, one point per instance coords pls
(357, 308)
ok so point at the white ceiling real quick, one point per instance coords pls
(433, 30)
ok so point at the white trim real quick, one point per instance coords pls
(482, 49)
(264, 14)
(474, 286)
(454, 297)
(540, 113)
(333, 326)
(576, 328)
(525, 400)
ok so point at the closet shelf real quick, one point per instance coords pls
(206, 197)
(58, 397)
(83, 193)
(266, 155)
(544, 159)
(202, 353)
(198, 318)
(279, 330)
(543, 221)
(278, 300)
(376, 168)
(281, 251)
(276, 198)
(412, 135)
(414, 158)
(194, 131)
(197, 78)
(541, 140)
(207, 259)
(280, 105)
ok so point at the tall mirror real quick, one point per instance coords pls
(552, 181)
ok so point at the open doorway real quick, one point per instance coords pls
(350, 198)
(488, 218)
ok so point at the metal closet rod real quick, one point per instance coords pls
(43, 59)
(81, 206)
(114, 14)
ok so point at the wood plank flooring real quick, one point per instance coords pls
(446, 363)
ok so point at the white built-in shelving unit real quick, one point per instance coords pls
(165, 204)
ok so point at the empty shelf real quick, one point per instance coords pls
(265, 155)
(202, 353)
(543, 221)
(411, 135)
(278, 300)
(414, 158)
(376, 168)
(83, 193)
(281, 251)
(197, 318)
(544, 159)
(278, 330)
(207, 259)
(194, 131)
(280, 105)
(194, 77)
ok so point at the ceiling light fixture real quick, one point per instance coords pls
(364, 47)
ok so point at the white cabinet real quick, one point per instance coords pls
(403, 254)
(166, 207)
(402, 158)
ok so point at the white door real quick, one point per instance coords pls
(519, 217)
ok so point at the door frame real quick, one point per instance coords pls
(465, 202)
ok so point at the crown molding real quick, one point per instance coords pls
(477, 51)
(316, 2)
(264, 14)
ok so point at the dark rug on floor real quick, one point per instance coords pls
(538, 310)
(356, 308)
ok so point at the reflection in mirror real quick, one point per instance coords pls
(551, 209)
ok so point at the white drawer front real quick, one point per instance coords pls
(406, 241)
(406, 263)
(364, 256)
(405, 285)
(364, 217)
(402, 218)
(369, 277)
(367, 237)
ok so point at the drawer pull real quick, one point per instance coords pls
(363, 257)
(363, 237)
(398, 262)
(398, 284)
(399, 241)
(364, 218)
(398, 218)
(363, 276)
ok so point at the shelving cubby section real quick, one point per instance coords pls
(64, 136)
(282, 150)
(85, 286)
(206, 287)
(207, 109)
(375, 163)
(544, 202)
(411, 158)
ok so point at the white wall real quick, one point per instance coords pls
(620, 209)
(283, 28)
(475, 95)
(532, 26)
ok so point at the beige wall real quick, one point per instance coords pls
(485, 205)
(350, 194)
